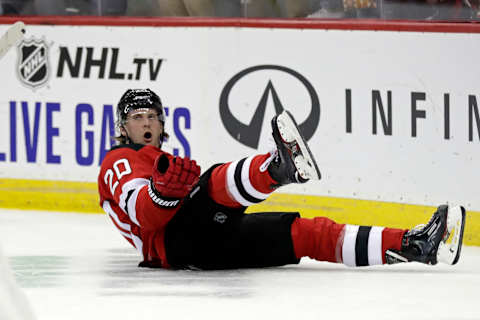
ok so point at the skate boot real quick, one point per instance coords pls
(294, 162)
(428, 243)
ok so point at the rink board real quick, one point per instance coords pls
(394, 132)
(83, 197)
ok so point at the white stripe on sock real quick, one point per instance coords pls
(246, 181)
(375, 254)
(348, 248)
(232, 187)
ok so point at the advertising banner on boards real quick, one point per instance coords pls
(390, 116)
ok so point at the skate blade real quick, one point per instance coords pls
(449, 252)
(304, 162)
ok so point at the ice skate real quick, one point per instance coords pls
(294, 162)
(440, 240)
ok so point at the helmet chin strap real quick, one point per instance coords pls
(126, 135)
(162, 136)
(128, 139)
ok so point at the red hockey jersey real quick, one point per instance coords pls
(123, 188)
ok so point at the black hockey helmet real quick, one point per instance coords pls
(134, 99)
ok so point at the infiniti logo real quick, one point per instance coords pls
(249, 134)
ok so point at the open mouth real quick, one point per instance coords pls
(147, 135)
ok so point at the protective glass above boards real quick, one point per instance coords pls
(423, 10)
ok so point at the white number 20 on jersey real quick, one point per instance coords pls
(121, 168)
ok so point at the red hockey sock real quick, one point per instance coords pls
(241, 183)
(324, 240)
(316, 238)
(392, 239)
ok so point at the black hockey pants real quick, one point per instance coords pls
(206, 235)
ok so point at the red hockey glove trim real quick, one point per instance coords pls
(172, 179)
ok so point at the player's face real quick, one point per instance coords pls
(143, 127)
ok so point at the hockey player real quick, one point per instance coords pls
(178, 219)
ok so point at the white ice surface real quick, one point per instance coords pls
(76, 266)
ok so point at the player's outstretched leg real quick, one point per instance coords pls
(294, 162)
(428, 243)
(251, 180)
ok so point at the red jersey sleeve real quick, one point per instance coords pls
(123, 184)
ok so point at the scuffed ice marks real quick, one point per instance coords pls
(122, 277)
(40, 271)
(114, 272)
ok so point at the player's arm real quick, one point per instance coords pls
(123, 182)
(171, 180)
(150, 198)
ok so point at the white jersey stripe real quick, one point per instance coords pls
(108, 209)
(123, 228)
(246, 181)
(232, 187)
(348, 248)
(131, 205)
(375, 254)
(126, 235)
(134, 184)
(138, 243)
(127, 187)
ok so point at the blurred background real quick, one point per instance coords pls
(437, 10)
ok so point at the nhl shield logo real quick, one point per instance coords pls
(33, 68)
